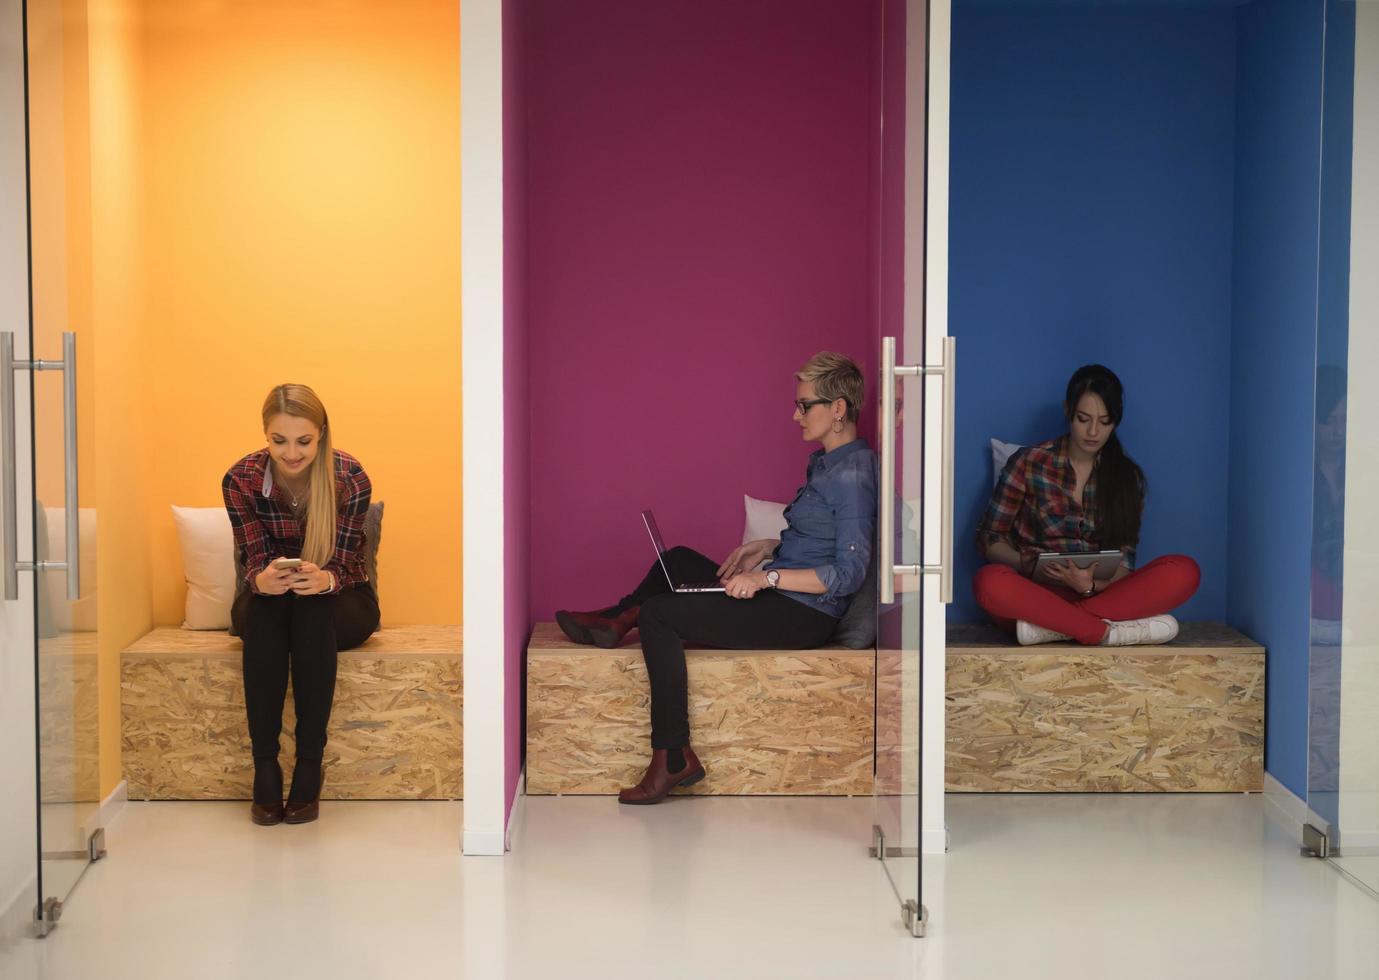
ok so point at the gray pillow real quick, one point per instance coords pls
(856, 630)
(373, 531)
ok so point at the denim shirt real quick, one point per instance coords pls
(831, 525)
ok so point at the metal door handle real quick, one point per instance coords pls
(69, 464)
(10, 513)
(890, 370)
(10, 505)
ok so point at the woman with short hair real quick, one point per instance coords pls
(297, 508)
(1076, 494)
(792, 602)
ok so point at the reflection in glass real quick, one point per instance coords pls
(1343, 722)
(68, 722)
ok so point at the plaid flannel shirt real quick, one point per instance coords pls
(265, 528)
(1032, 508)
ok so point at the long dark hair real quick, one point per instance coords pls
(1120, 483)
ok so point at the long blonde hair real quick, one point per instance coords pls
(301, 401)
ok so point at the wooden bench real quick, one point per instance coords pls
(395, 730)
(1187, 716)
(770, 722)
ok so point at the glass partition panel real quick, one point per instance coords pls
(1343, 768)
(900, 406)
(64, 545)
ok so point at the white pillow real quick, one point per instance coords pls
(1000, 455)
(765, 519)
(208, 563)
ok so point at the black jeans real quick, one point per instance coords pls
(668, 620)
(303, 634)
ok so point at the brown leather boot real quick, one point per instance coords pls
(611, 631)
(659, 781)
(267, 808)
(267, 814)
(576, 625)
(303, 812)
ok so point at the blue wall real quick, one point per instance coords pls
(1278, 132)
(1138, 185)
(1091, 214)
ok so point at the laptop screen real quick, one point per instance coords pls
(649, 519)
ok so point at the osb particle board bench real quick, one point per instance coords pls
(395, 730)
(1187, 716)
(769, 722)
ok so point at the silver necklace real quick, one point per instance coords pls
(290, 495)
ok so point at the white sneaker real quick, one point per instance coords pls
(1140, 632)
(1030, 635)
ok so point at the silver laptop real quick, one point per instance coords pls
(649, 519)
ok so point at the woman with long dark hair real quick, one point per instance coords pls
(1075, 494)
(297, 508)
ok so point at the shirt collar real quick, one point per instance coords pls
(833, 457)
(1060, 454)
(1065, 464)
(267, 486)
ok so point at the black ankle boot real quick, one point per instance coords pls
(268, 793)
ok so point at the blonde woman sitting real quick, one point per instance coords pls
(297, 508)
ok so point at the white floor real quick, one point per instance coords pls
(1034, 886)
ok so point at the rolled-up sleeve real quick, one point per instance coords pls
(250, 538)
(852, 496)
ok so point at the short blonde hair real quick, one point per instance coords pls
(835, 376)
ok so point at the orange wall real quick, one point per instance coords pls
(86, 183)
(227, 197)
(301, 223)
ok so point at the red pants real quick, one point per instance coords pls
(1163, 584)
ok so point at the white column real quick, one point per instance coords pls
(1359, 765)
(934, 195)
(18, 818)
(481, 270)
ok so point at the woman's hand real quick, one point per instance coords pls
(274, 581)
(1069, 575)
(309, 579)
(744, 585)
(746, 557)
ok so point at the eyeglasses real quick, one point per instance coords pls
(803, 406)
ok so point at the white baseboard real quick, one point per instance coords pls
(519, 806)
(111, 807)
(1290, 810)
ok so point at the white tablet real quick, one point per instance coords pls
(1105, 562)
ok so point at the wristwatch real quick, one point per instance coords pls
(772, 578)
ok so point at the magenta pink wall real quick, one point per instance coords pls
(891, 312)
(516, 414)
(890, 320)
(701, 219)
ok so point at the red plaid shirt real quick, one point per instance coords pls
(1032, 508)
(265, 528)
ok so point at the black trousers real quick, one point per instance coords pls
(668, 620)
(301, 635)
